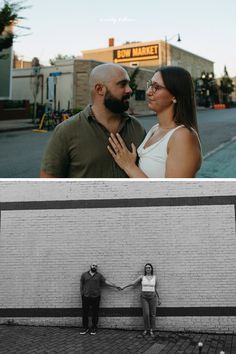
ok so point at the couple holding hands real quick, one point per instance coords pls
(90, 288)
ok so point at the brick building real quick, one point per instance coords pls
(71, 76)
(51, 231)
(70, 85)
(151, 55)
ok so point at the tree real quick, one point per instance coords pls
(132, 82)
(60, 57)
(133, 85)
(226, 87)
(9, 17)
(206, 90)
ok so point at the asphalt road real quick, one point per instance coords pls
(21, 151)
(216, 127)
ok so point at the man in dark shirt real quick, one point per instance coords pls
(90, 289)
(78, 146)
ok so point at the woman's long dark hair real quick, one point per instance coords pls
(179, 83)
(149, 264)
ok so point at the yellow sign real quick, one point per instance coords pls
(146, 52)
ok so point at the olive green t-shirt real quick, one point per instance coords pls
(78, 147)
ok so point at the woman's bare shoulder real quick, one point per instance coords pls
(183, 134)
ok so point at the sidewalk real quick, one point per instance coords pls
(25, 124)
(221, 163)
(15, 125)
(64, 340)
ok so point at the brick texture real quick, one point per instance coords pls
(192, 248)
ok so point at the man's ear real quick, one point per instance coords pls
(100, 89)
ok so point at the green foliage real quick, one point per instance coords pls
(208, 92)
(9, 16)
(133, 77)
(76, 110)
(6, 40)
(226, 83)
(60, 57)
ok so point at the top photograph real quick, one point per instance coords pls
(117, 90)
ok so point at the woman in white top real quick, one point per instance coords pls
(172, 147)
(149, 296)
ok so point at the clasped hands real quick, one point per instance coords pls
(119, 288)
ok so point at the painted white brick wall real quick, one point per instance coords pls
(38, 189)
(192, 248)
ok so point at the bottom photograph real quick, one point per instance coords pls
(117, 266)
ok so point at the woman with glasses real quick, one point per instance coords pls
(149, 298)
(172, 148)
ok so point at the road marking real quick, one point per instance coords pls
(218, 148)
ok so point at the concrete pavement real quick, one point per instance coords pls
(15, 125)
(220, 163)
(63, 340)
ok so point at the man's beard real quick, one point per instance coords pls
(93, 269)
(114, 104)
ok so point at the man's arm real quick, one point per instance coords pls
(109, 283)
(55, 160)
(81, 285)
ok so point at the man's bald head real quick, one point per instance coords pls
(104, 73)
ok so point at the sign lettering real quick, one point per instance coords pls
(146, 52)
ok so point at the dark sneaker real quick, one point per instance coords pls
(151, 333)
(144, 333)
(84, 331)
(93, 331)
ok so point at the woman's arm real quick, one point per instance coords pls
(135, 282)
(158, 297)
(184, 154)
(124, 158)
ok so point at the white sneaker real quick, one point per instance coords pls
(84, 331)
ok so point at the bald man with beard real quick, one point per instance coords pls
(78, 146)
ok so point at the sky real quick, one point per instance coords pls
(207, 27)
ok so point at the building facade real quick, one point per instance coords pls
(65, 85)
(151, 55)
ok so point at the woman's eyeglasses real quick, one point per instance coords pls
(154, 86)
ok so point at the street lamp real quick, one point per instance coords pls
(207, 89)
(169, 39)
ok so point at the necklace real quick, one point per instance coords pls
(160, 128)
(149, 277)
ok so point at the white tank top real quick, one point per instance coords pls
(152, 160)
(148, 284)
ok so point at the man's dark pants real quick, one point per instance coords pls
(92, 302)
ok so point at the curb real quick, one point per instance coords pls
(7, 130)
